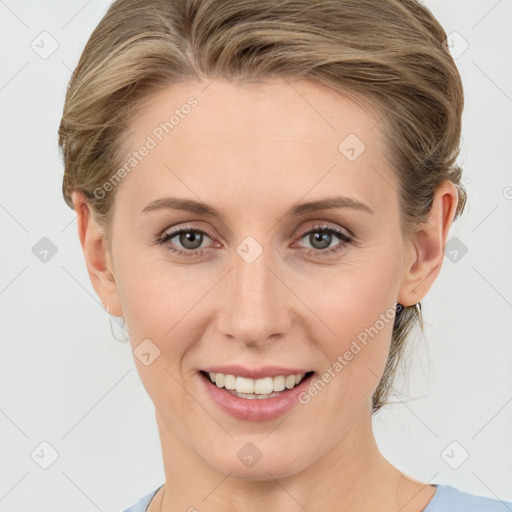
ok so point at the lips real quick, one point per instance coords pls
(255, 406)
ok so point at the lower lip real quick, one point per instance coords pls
(264, 409)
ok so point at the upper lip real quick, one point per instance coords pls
(255, 373)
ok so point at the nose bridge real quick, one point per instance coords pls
(254, 308)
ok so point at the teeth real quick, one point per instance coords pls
(290, 381)
(230, 382)
(244, 385)
(263, 387)
(219, 380)
(279, 383)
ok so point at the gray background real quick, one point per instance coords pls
(66, 381)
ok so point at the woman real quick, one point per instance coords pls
(264, 191)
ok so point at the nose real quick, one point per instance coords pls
(254, 308)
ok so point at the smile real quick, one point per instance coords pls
(255, 399)
(251, 389)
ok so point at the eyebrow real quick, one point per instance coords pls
(200, 208)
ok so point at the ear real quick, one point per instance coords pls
(426, 254)
(97, 258)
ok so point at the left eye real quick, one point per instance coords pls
(320, 237)
(326, 234)
(324, 240)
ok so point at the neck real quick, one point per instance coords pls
(353, 476)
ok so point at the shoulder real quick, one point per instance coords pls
(142, 504)
(450, 499)
(446, 499)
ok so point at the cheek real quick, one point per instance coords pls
(354, 310)
(346, 302)
(160, 318)
(165, 303)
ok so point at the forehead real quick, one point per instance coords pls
(275, 137)
(266, 110)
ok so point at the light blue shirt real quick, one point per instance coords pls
(446, 499)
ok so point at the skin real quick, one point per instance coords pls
(252, 152)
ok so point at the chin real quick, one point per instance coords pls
(275, 466)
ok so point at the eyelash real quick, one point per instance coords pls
(345, 240)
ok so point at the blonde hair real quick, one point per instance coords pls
(389, 54)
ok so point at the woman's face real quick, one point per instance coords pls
(255, 281)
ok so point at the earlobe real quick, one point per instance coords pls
(97, 258)
(426, 256)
